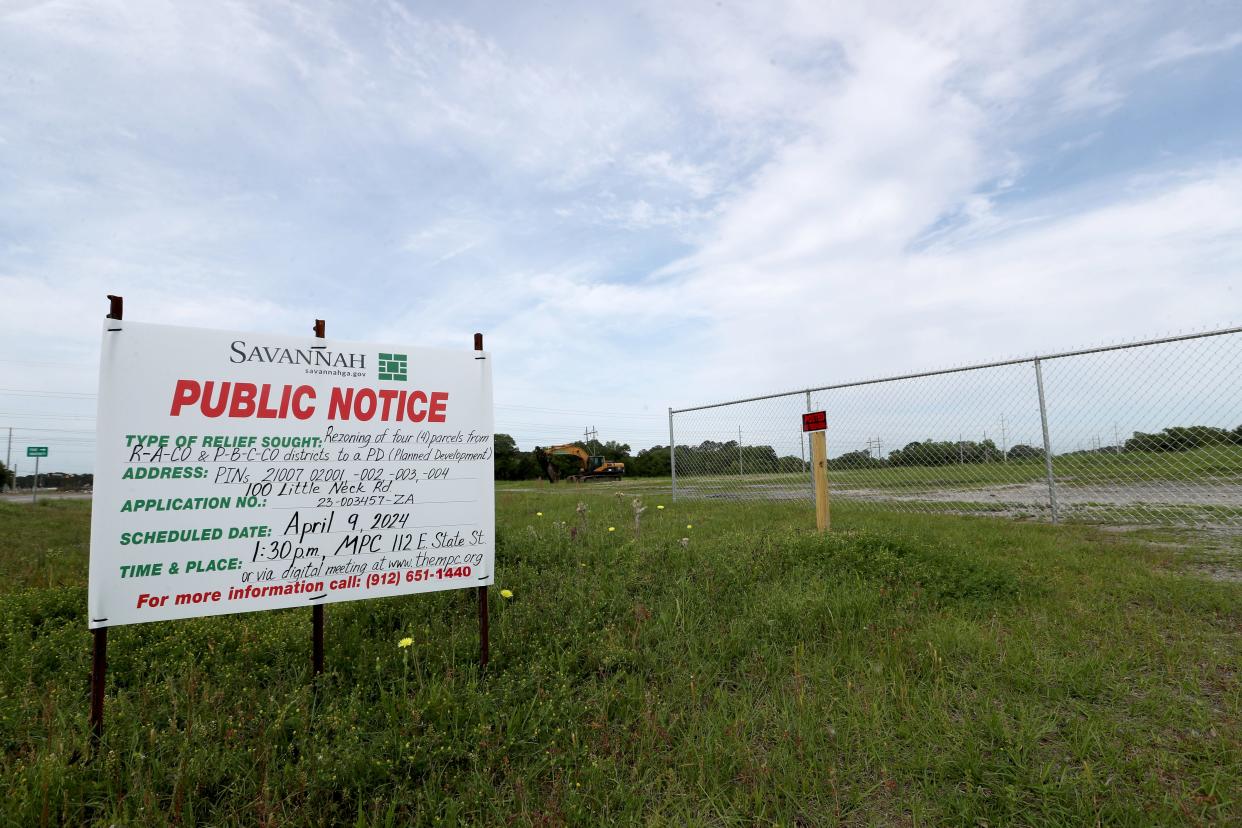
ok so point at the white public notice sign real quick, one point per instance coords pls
(240, 471)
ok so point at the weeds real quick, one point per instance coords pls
(916, 670)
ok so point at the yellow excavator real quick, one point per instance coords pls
(593, 466)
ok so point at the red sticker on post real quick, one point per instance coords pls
(815, 421)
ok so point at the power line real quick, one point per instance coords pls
(71, 449)
(83, 364)
(55, 395)
(61, 430)
(51, 441)
(588, 413)
(46, 415)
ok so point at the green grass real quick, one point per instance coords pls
(1130, 488)
(1220, 464)
(917, 670)
(1215, 463)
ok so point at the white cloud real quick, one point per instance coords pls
(660, 167)
(1088, 88)
(1139, 265)
(1178, 46)
(638, 205)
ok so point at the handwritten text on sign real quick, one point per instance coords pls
(239, 472)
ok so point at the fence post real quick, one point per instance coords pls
(810, 468)
(1043, 420)
(819, 459)
(672, 452)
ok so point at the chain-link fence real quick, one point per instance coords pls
(1141, 433)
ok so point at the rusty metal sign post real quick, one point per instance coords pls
(99, 635)
(317, 609)
(484, 631)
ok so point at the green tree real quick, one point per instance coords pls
(856, 460)
(612, 451)
(510, 463)
(1180, 438)
(945, 453)
(1024, 452)
(653, 462)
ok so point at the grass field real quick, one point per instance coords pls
(1214, 463)
(1201, 487)
(905, 670)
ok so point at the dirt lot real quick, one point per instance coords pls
(1215, 504)
(44, 494)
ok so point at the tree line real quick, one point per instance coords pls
(960, 452)
(706, 458)
(720, 458)
(512, 463)
(63, 481)
(1184, 438)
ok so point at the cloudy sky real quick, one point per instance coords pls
(640, 204)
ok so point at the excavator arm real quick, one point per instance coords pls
(571, 450)
(592, 467)
(544, 458)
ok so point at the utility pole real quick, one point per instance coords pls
(1116, 440)
(1004, 442)
(8, 462)
(740, 470)
(879, 447)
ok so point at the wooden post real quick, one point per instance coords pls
(484, 616)
(99, 635)
(317, 609)
(99, 672)
(819, 465)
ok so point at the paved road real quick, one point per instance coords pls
(44, 494)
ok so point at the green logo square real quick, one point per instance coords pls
(393, 367)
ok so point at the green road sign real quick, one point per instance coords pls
(36, 451)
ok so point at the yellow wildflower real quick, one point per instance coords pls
(689, 525)
(612, 528)
(405, 642)
(660, 507)
(538, 514)
(506, 593)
